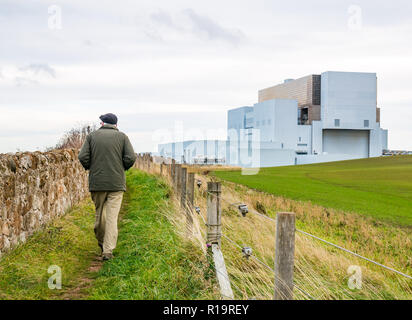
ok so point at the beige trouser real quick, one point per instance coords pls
(107, 211)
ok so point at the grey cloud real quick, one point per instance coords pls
(163, 17)
(201, 26)
(39, 68)
(204, 26)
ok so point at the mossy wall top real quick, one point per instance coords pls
(34, 189)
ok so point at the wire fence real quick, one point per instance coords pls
(327, 242)
(172, 172)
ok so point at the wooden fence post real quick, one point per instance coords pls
(147, 163)
(214, 233)
(190, 201)
(178, 178)
(284, 255)
(173, 171)
(191, 188)
(183, 178)
(214, 213)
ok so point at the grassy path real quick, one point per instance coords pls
(68, 243)
(151, 260)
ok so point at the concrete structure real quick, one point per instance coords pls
(318, 118)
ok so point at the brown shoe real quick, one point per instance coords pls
(107, 256)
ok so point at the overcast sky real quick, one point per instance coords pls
(167, 67)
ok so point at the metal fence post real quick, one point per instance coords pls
(284, 255)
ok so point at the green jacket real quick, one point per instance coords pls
(107, 153)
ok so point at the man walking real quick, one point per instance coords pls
(107, 153)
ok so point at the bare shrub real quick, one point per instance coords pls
(75, 137)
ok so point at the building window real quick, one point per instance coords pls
(263, 122)
(269, 122)
(366, 123)
(300, 139)
(257, 123)
(337, 122)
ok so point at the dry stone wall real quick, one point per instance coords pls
(35, 188)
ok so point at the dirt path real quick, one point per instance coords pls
(80, 291)
(85, 282)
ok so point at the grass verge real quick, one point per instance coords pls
(67, 242)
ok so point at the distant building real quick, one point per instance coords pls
(318, 118)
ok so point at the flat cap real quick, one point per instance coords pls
(109, 118)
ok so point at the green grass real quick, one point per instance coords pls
(377, 187)
(151, 260)
(68, 243)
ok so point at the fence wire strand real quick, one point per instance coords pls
(297, 230)
(265, 265)
(330, 243)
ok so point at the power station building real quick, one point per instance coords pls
(317, 118)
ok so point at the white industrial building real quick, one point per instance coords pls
(318, 118)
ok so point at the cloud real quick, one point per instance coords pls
(208, 28)
(38, 69)
(162, 17)
(165, 57)
(189, 22)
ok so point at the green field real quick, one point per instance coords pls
(377, 187)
